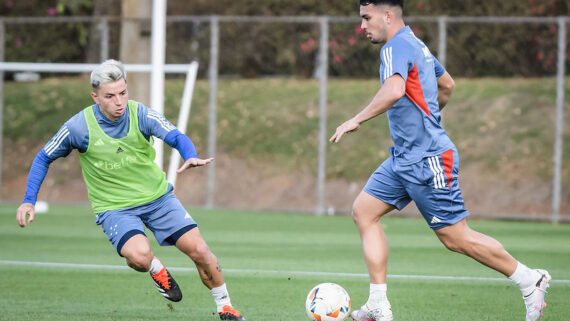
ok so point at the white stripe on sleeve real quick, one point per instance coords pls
(152, 114)
(391, 70)
(56, 141)
(385, 60)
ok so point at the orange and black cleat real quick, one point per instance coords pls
(229, 313)
(166, 285)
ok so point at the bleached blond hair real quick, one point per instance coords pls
(109, 71)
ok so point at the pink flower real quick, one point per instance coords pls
(540, 56)
(419, 5)
(415, 30)
(351, 41)
(8, 4)
(308, 45)
(548, 64)
(333, 44)
(311, 42)
(537, 39)
(552, 29)
(18, 43)
(52, 11)
(337, 59)
(358, 30)
(550, 61)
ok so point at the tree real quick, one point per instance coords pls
(135, 44)
(101, 8)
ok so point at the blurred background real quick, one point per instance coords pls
(279, 76)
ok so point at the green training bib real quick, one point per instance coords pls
(120, 173)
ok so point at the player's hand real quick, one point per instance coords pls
(24, 210)
(194, 162)
(347, 127)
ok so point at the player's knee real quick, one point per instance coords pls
(363, 217)
(454, 245)
(139, 259)
(465, 245)
(200, 253)
(357, 213)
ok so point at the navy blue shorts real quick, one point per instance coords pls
(165, 217)
(431, 183)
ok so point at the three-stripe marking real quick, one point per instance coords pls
(56, 140)
(160, 119)
(387, 58)
(438, 178)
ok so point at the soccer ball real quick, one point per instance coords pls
(328, 302)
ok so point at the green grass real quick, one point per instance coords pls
(248, 244)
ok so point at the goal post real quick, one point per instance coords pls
(183, 117)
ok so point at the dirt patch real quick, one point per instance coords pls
(249, 185)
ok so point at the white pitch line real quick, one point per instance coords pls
(250, 271)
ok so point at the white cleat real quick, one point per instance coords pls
(535, 300)
(381, 313)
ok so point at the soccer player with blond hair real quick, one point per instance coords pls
(127, 190)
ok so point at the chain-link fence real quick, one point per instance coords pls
(276, 106)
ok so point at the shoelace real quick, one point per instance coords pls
(162, 278)
(536, 288)
(543, 290)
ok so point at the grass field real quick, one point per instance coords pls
(271, 261)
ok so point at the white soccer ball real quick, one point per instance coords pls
(328, 302)
(41, 207)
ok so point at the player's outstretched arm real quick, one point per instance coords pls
(36, 176)
(194, 162)
(25, 210)
(445, 85)
(393, 89)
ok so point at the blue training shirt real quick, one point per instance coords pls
(414, 120)
(75, 135)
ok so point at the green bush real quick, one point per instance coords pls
(257, 49)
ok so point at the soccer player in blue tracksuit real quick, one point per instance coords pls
(423, 165)
(127, 190)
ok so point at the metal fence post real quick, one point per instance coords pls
(442, 39)
(104, 29)
(213, 75)
(323, 75)
(2, 42)
(558, 140)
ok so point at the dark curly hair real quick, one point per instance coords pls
(399, 3)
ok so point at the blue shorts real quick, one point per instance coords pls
(431, 183)
(165, 217)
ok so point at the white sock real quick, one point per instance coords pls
(221, 297)
(155, 266)
(377, 294)
(524, 278)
